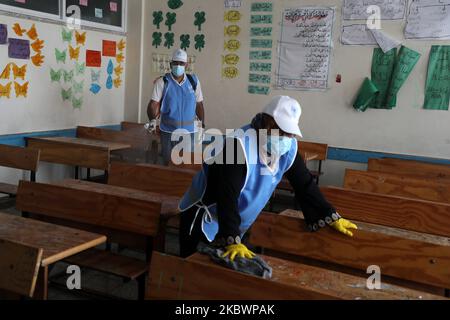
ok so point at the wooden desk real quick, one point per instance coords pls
(57, 242)
(92, 154)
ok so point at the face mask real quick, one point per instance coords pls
(278, 146)
(178, 71)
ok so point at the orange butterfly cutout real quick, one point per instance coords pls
(6, 72)
(19, 72)
(81, 38)
(117, 82)
(121, 45)
(118, 70)
(38, 45)
(21, 90)
(74, 53)
(120, 58)
(38, 59)
(18, 29)
(5, 91)
(32, 33)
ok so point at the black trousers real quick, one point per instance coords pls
(189, 243)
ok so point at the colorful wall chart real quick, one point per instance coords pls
(232, 44)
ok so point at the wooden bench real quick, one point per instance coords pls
(410, 167)
(130, 218)
(18, 158)
(153, 140)
(197, 278)
(399, 185)
(19, 268)
(415, 257)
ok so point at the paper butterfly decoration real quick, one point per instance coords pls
(77, 103)
(6, 72)
(110, 68)
(74, 53)
(66, 94)
(109, 83)
(80, 38)
(38, 45)
(95, 76)
(80, 68)
(32, 33)
(121, 45)
(19, 73)
(18, 29)
(5, 91)
(78, 87)
(21, 90)
(66, 35)
(95, 88)
(55, 76)
(117, 82)
(118, 71)
(120, 58)
(61, 55)
(38, 59)
(68, 76)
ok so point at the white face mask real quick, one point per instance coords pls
(178, 71)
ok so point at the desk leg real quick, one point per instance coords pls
(41, 292)
(77, 173)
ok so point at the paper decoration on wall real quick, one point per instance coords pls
(157, 19)
(68, 76)
(80, 38)
(200, 19)
(161, 63)
(78, 87)
(437, 90)
(358, 10)
(21, 90)
(118, 70)
(232, 16)
(232, 3)
(37, 45)
(157, 39)
(19, 72)
(382, 68)
(109, 83)
(260, 55)
(258, 90)
(117, 82)
(3, 34)
(261, 19)
(19, 49)
(169, 40)
(231, 59)
(261, 7)
(80, 68)
(95, 88)
(109, 48)
(66, 94)
(93, 58)
(110, 68)
(121, 45)
(32, 33)
(185, 40)
(428, 20)
(261, 31)
(230, 72)
(171, 19)
(175, 4)
(5, 90)
(366, 95)
(55, 76)
(61, 56)
(232, 31)
(120, 58)
(95, 75)
(18, 29)
(66, 35)
(74, 53)
(37, 59)
(77, 103)
(199, 42)
(6, 73)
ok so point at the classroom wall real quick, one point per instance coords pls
(328, 116)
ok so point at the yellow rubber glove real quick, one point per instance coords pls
(344, 226)
(238, 250)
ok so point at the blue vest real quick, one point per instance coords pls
(179, 104)
(255, 194)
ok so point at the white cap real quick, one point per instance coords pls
(180, 56)
(286, 112)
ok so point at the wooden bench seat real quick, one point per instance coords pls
(198, 278)
(410, 167)
(8, 189)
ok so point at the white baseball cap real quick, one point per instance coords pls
(180, 56)
(286, 112)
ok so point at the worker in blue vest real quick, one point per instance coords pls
(236, 183)
(177, 101)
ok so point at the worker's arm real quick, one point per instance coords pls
(154, 106)
(317, 210)
(153, 110)
(200, 110)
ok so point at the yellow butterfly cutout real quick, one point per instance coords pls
(32, 33)
(5, 91)
(21, 90)
(6, 72)
(117, 82)
(81, 38)
(118, 70)
(121, 45)
(18, 29)
(120, 58)
(38, 45)
(74, 53)
(19, 73)
(38, 59)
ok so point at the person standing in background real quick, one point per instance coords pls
(177, 100)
